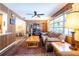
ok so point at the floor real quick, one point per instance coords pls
(22, 50)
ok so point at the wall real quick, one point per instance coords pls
(43, 24)
(10, 28)
(20, 26)
(8, 34)
(75, 7)
(72, 21)
(10, 14)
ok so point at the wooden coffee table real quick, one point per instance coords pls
(32, 42)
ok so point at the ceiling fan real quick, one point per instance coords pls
(35, 14)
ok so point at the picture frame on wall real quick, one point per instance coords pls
(12, 21)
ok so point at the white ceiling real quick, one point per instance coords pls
(23, 8)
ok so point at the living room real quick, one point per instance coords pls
(38, 35)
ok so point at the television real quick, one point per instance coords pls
(12, 21)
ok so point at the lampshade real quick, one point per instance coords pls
(72, 20)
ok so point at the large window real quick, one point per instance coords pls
(50, 26)
(58, 25)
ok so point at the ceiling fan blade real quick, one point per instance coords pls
(36, 15)
(33, 16)
(40, 14)
(29, 14)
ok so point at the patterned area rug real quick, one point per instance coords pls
(24, 51)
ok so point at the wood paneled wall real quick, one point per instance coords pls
(11, 28)
(5, 40)
(43, 24)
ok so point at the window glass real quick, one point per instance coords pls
(66, 31)
(70, 32)
(57, 25)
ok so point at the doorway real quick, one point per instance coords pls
(36, 29)
(0, 23)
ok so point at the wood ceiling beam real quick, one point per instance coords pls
(65, 8)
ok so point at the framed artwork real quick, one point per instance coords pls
(12, 21)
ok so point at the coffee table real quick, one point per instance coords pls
(32, 42)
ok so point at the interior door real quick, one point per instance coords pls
(0, 23)
(43, 27)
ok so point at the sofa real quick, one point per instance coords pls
(49, 38)
(53, 37)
